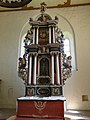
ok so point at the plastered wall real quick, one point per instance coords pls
(11, 87)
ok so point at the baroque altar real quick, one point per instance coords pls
(44, 69)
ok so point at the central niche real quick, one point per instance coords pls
(44, 67)
(44, 71)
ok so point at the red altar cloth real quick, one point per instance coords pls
(46, 109)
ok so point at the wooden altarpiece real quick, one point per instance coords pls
(44, 68)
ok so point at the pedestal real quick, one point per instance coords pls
(45, 108)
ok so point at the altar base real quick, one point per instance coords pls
(37, 119)
(30, 108)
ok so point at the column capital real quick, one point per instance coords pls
(36, 26)
(51, 53)
(53, 26)
(30, 54)
(49, 26)
(54, 53)
(33, 53)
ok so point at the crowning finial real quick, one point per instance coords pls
(43, 7)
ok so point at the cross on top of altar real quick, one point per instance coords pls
(43, 7)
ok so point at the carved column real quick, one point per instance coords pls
(37, 35)
(30, 70)
(53, 34)
(34, 35)
(49, 34)
(57, 69)
(52, 63)
(61, 62)
(34, 72)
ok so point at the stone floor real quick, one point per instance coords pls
(6, 113)
(72, 114)
(78, 115)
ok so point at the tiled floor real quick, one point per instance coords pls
(73, 114)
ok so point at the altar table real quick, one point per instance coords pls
(40, 108)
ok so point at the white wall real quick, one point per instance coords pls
(12, 87)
